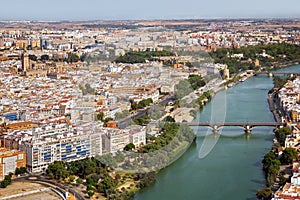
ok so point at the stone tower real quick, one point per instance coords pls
(25, 61)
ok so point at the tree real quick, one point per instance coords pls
(156, 111)
(264, 194)
(146, 179)
(6, 181)
(100, 116)
(58, 169)
(21, 170)
(71, 179)
(282, 179)
(279, 82)
(119, 156)
(79, 181)
(129, 147)
(134, 106)
(169, 119)
(268, 158)
(32, 57)
(108, 160)
(182, 89)
(44, 57)
(73, 57)
(281, 134)
(271, 167)
(107, 120)
(289, 155)
(17, 171)
(142, 120)
(196, 81)
(142, 104)
(271, 175)
(90, 187)
(83, 57)
(107, 185)
(92, 179)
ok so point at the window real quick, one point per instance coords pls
(20, 157)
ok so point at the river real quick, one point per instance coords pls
(232, 169)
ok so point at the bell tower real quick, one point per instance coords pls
(25, 61)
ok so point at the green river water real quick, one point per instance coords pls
(232, 169)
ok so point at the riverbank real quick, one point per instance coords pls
(244, 115)
(280, 163)
(234, 160)
(286, 64)
(244, 103)
(273, 107)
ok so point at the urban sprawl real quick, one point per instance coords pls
(67, 94)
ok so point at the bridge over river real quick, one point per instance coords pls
(246, 125)
(271, 74)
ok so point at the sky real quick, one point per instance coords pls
(146, 9)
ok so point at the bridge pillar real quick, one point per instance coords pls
(215, 129)
(247, 129)
(270, 74)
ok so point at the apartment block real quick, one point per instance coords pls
(115, 140)
(56, 142)
(10, 160)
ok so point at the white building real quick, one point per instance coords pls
(59, 143)
(114, 140)
(137, 136)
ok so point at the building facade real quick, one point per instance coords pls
(10, 160)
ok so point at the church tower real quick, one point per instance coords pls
(25, 61)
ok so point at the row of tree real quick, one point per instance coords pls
(141, 104)
(280, 52)
(162, 150)
(145, 119)
(196, 81)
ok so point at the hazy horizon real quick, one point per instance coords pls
(154, 19)
(92, 10)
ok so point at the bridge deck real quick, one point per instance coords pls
(284, 73)
(243, 124)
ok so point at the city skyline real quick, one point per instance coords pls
(136, 10)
